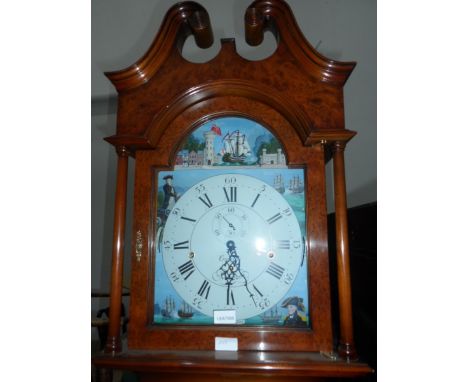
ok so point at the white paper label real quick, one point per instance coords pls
(224, 316)
(226, 344)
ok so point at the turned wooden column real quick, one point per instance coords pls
(346, 347)
(113, 343)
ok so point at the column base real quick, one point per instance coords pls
(347, 351)
(113, 345)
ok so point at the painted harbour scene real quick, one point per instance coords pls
(230, 141)
(246, 148)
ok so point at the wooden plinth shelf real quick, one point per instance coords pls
(220, 366)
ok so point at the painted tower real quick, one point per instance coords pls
(209, 154)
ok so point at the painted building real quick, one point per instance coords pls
(275, 159)
(182, 158)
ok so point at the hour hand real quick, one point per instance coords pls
(233, 257)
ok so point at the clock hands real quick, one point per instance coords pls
(231, 265)
(231, 269)
(230, 224)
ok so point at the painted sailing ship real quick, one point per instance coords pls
(272, 316)
(296, 185)
(169, 308)
(185, 311)
(278, 184)
(236, 147)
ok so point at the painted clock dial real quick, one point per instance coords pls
(232, 242)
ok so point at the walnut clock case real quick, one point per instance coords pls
(230, 220)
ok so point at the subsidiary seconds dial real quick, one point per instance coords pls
(232, 242)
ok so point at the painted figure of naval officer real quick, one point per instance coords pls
(170, 194)
(295, 308)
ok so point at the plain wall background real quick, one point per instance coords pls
(123, 30)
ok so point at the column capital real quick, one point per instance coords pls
(122, 151)
(338, 146)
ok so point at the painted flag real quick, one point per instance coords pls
(215, 129)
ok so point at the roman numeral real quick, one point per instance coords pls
(181, 245)
(232, 196)
(282, 244)
(188, 268)
(260, 293)
(230, 296)
(206, 200)
(204, 289)
(188, 219)
(274, 218)
(275, 270)
(255, 200)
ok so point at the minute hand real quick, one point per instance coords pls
(235, 259)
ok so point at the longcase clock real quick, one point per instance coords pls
(230, 271)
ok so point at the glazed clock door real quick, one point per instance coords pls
(230, 231)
